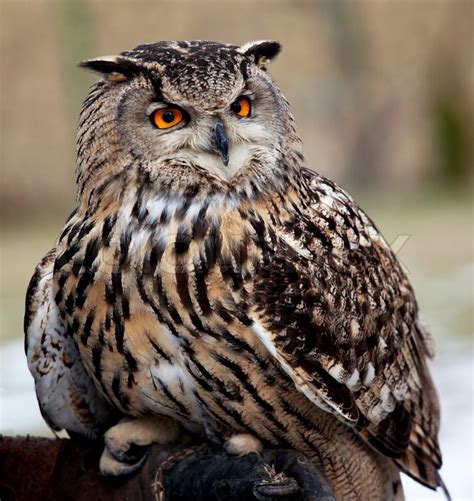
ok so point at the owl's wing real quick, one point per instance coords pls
(66, 396)
(336, 310)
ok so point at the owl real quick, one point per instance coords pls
(209, 283)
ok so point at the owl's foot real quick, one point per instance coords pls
(126, 443)
(109, 466)
(242, 444)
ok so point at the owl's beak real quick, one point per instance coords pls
(222, 143)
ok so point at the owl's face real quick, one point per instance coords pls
(187, 112)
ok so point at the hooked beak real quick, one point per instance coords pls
(222, 143)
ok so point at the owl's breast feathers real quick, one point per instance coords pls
(166, 299)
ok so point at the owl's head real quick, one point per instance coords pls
(190, 116)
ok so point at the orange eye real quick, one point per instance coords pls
(242, 106)
(164, 118)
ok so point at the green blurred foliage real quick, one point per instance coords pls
(451, 136)
(75, 36)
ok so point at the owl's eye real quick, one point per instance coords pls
(164, 118)
(242, 107)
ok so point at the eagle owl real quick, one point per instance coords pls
(208, 281)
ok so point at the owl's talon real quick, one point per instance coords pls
(131, 455)
(126, 443)
(242, 444)
(110, 466)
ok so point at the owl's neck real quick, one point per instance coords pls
(180, 184)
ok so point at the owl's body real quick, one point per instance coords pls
(241, 294)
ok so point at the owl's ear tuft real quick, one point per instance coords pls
(115, 68)
(262, 51)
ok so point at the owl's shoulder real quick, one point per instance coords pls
(337, 214)
(333, 237)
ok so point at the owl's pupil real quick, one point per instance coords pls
(168, 117)
(236, 107)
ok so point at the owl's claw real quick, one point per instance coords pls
(126, 443)
(111, 466)
(130, 455)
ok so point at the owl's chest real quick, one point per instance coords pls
(193, 271)
(152, 306)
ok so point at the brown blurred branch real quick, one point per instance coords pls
(44, 469)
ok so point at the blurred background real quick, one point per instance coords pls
(383, 97)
